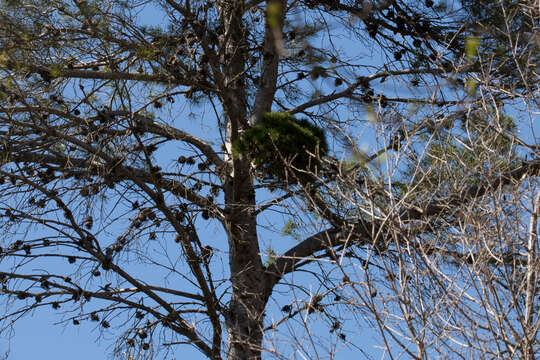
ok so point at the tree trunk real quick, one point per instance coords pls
(246, 308)
(245, 313)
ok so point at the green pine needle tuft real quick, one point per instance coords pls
(279, 140)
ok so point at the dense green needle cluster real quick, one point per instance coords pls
(283, 148)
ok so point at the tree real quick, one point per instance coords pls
(105, 175)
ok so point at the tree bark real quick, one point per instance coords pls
(250, 292)
(246, 308)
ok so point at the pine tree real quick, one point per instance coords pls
(127, 130)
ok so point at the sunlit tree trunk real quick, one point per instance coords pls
(246, 308)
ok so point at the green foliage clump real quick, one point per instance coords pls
(282, 147)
